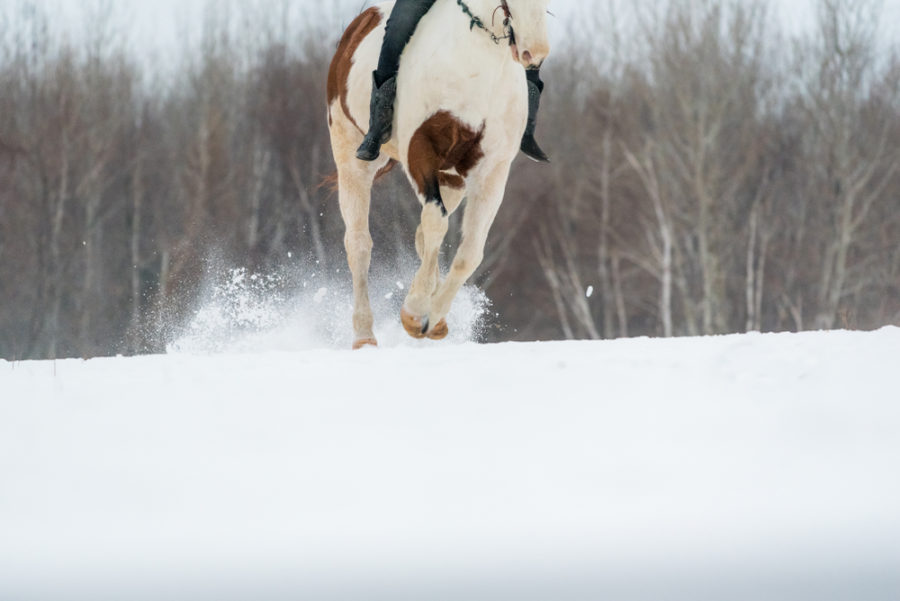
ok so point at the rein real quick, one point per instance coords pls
(477, 22)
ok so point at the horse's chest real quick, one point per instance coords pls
(466, 100)
(462, 74)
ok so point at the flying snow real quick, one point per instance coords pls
(307, 308)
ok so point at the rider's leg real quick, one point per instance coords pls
(529, 144)
(398, 31)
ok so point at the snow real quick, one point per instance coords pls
(738, 467)
(305, 307)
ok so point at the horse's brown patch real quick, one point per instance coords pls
(449, 180)
(441, 143)
(339, 72)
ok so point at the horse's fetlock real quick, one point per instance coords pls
(416, 303)
(363, 321)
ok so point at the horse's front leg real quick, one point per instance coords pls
(354, 191)
(438, 204)
(480, 212)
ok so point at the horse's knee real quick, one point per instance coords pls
(466, 263)
(357, 243)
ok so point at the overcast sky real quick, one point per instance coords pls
(159, 26)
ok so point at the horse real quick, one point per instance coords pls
(460, 113)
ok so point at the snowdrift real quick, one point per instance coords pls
(739, 467)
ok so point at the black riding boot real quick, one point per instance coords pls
(381, 118)
(403, 21)
(529, 144)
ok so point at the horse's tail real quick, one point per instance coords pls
(329, 182)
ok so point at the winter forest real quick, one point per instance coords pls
(711, 174)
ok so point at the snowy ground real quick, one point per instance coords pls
(747, 467)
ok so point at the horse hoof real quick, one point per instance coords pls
(412, 324)
(364, 342)
(440, 331)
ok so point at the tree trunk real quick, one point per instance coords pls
(56, 271)
(137, 201)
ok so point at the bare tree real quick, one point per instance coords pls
(701, 182)
(700, 151)
(850, 155)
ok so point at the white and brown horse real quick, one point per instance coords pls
(460, 113)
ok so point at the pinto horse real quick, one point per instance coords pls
(460, 113)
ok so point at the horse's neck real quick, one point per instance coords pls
(489, 12)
